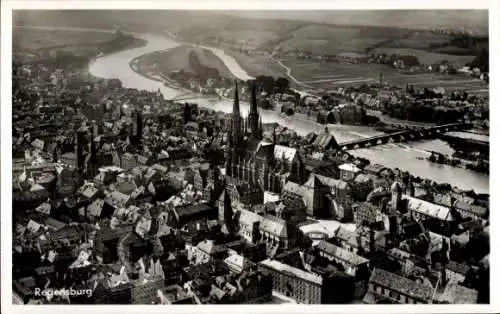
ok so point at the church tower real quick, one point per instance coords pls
(236, 127)
(93, 157)
(137, 127)
(79, 143)
(396, 192)
(253, 116)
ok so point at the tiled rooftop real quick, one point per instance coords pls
(401, 284)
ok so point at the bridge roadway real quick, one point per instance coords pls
(409, 133)
(192, 95)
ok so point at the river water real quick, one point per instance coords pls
(403, 156)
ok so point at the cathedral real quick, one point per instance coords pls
(254, 162)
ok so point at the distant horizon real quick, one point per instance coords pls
(470, 20)
(473, 21)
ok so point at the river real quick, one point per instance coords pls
(403, 156)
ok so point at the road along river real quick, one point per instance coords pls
(403, 156)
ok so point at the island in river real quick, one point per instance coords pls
(402, 157)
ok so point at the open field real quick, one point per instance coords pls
(420, 40)
(253, 38)
(427, 57)
(332, 40)
(177, 59)
(32, 39)
(257, 65)
(251, 32)
(333, 75)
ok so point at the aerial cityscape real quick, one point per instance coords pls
(250, 157)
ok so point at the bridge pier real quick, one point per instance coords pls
(412, 132)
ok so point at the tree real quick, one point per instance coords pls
(282, 84)
(265, 83)
(265, 104)
(187, 113)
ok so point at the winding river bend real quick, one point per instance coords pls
(403, 156)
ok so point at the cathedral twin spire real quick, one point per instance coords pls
(253, 123)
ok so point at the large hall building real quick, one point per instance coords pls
(254, 162)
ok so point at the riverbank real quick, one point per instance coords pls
(441, 159)
(166, 81)
(391, 156)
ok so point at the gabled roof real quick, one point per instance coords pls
(313, 182)
(103, 176)
(396, 187)
(274, 226)
(477, 210)
(88, 190)
(325, 140)
(160, 168)
(143, 226)
(374, 168)
(129, 156)
(44, 208)
(117, 198)
(293, 188)
(209, 247)
(349, 167)
(362, 178)
(217, 293)
(293, 204)
(281, 151)
(401, 284)
(294, 272)
(428, 209)
(143, 159)
(248, 218)
(347, 236)
(340, 253)
(398, 254)
(137, 192)
(193, 209)
(193, 125)
(68, 155)
(95, 208)
(126, 187)
(456, 294)
(332, 183)
(237, 261)
(37, 188)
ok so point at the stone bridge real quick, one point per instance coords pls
(189, 96)
(410, 133)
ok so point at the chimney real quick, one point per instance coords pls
(372, 240)
(453, 200)
(444, 279)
